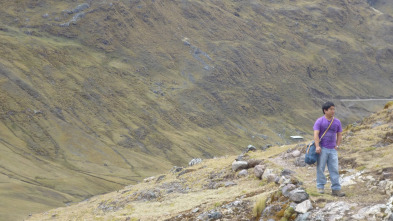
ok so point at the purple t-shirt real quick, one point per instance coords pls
(329, 140)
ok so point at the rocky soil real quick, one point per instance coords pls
(269, 183)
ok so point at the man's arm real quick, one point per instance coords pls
(316, 140)
(339, 139)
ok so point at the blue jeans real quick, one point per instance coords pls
(328, 157)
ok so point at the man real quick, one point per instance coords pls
(327, 149)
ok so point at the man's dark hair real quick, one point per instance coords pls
(326, 106)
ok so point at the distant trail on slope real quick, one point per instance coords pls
(369, 99)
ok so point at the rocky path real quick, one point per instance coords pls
(368, 196)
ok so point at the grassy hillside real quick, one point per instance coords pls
(364, 155)
(96, 95)
(384, 6)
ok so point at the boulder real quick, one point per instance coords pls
(259, 170)
(194, 161)
(287, 172)
(149, 179)
(242, 173)
(267, 173)
(283, 180)
(296, 153)
(302, 217)
(298, 195)
(370, 211)
(239, 165)
(214, 215)
(266, 147)
(230, 183)
(251, 148)
(270, 176)
(176, 169)
(253, 162)
(299, 162)
(304, 206)
(288, 188)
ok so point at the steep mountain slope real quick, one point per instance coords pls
(211, 190)
(95, 95)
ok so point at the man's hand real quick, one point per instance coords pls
(318, 150)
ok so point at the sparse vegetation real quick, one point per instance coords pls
(259, 207)
(388, 105)
(368, 149)
(361, 168)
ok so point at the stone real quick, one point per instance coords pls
(271, 178)
(288, 188)
(239, 165)
(251, 148)
(266, 147)
(304, 207)
(215, 215)
(253, 162)
(237, 202)
(203, 216)
(259, 170)
(302, 217)
(293, 205)
(370, 178)
(334, 211)
(287, 172)
(299, 162)
(298, 195)
(230, 183)
(283, 181)
(267, 173)
(347, 180)
(242, 173)
(296, 153)
(148, 195)
(370, 211)
(389, 188)
(195, 161)
(176, 169)
(149, 179)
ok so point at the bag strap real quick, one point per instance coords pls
(327, 129)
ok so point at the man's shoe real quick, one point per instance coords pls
(321, 191)
(338, 193)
